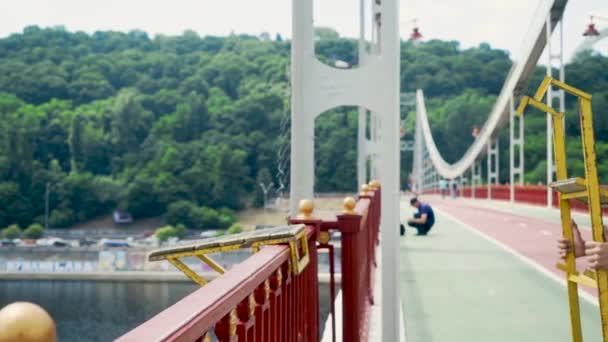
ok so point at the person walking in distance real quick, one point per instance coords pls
(424, 219)
(443, 187)
(454, 189)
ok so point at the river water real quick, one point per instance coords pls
(95, 311)
(102, 311)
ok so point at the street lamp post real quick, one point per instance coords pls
(46, 205)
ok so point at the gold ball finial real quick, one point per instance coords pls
(26, 322)
(324, 237)
(364, 190)
(374, 184)
(349, 205)
(305, 209)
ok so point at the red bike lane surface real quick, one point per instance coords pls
(536, 239)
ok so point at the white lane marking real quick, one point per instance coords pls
(402, 334)
(585, 295)
(546, 232)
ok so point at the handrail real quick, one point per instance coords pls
(197, 313)
(262, 297)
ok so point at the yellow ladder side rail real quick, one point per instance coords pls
(542, 89)
(549, 81)
(299, 257)
(212, 263)
(293, 236)
(559, 148)
(595, 210)
(187, 271)
(559, 151)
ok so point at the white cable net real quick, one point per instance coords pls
(283, 152)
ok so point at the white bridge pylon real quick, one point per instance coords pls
(547, 16)
(373, 85)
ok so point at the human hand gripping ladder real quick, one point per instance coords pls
(293, 236)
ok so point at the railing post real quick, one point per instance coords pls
(311, 318)
(353, 254)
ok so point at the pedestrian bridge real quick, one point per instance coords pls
(487, 270)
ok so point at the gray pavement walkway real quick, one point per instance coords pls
(457, 286)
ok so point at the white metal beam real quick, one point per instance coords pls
(516, 158)
(317, 88)
(516, 80)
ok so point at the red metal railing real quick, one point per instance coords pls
(359, 238)
(262, 300)
(530, 194)
(259, 299)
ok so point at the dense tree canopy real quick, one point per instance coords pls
(190, 126)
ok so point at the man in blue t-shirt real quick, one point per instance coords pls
(424, 219)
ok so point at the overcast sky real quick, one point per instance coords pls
(502, 23)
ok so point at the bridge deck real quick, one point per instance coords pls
(460, 283)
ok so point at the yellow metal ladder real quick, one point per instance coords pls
(294, 236)
(586, 190)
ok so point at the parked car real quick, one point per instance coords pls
(7, 242)
(122, 217)
(60, 243)
(52, 242)
(208, 234)
(113, 243)
(29, 242)
(87, 242)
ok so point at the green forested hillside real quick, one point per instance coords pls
(193, 124)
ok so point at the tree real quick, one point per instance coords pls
(116, 119)
(90, 86)
(165, 233)
(326, 33)
(138, 199)
(235, 229)
(230, 172)
(180, 231)
(76, 142)
(190, 119)
(34, 231)
(181, 212)
(61, 218)
(130, 121)
(11, 232)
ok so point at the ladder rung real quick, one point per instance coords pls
(582, 195)
(591, 274)
(576, 188)
(570, 185)
(562, 267)
(582, 280)
(587, 279)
